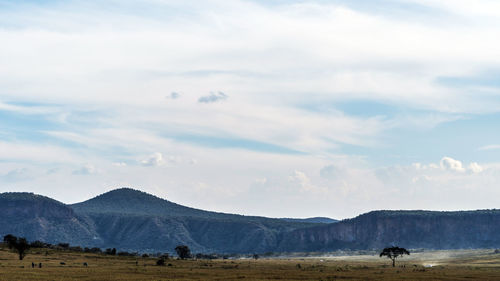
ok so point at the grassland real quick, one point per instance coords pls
(435, 265)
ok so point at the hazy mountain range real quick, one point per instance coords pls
(132, 220)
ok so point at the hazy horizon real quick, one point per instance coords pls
(268, 108)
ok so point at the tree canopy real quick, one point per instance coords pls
(19, 244)
(183, 251)
(393, 253)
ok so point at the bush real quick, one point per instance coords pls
(38, 244)
(206, 256)
(63, 245)
(126, 254)
(76, 249)
(183, 251)
(110, 251)
(160, 262)
(92, 250)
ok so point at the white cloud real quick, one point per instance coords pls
(448, 163)
(87, 169)
(304, 182)
(261, 180)
(332, 172)
(475, 168)
(155, 159)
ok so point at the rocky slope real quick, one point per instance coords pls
(41, 218)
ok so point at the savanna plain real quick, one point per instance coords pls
(421, 265)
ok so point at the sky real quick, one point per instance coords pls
(273, 108)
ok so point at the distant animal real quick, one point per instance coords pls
(32, 265)
(40, 265)
(85, 264)
(62, 263)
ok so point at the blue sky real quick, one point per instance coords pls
(339, 107)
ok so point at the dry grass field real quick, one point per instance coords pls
(435, 265)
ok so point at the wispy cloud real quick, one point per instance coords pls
(16, 175)
(174, 95)
(213, 97)
(87, 169)
(489, 147)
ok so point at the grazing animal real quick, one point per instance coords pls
(62, 263)
(32, 265)
(85, 264)
(40, 265)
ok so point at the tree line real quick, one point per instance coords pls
(21, 245)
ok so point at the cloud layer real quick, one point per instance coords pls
(252, 106)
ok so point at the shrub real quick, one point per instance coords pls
(160, 262)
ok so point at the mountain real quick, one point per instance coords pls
(132, 220)
(131, 201)
(41, 218)
(311, 220)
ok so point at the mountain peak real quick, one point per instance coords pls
(126, 192)
(132, 201)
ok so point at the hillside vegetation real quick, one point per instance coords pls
(134, 221)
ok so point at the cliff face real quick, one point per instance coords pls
(411, 229)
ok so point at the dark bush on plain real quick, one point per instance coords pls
(92, 250)
(160, 262)
(39, 244)
(63, 245)
(110, 251)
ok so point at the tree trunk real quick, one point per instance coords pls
(393, 262)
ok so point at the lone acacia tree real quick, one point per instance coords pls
(393, 253)
(20, 245)
(183, 251)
